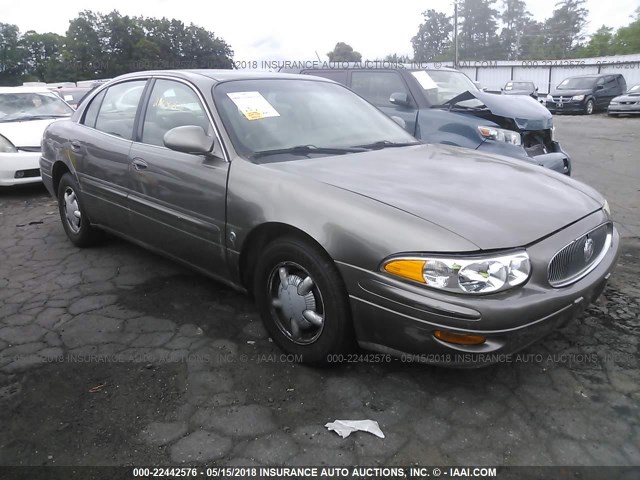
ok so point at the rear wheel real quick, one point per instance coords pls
(303, 301)
(588, 108)
(74, 219)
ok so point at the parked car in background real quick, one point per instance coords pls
(24, 114)
(585, 93)
(72, 95)
(339, 222)
(445, 106)
(520, 88)
(627, 104)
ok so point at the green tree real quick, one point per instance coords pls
(41, 52)
(627, 39)
(532, 41)
(395, 58)
(600, 44)
(11, 55)
(515, 18)
(343, 52)
(85, 51)
(433, 38)
(564, 29)
(478, 38)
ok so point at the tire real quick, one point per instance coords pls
(325, 329)
(589, 107)
(73, 216)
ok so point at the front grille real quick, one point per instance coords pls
(580, 257)
(627, 103)
(561, 99)
(537, 142)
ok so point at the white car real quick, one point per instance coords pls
(24, 114)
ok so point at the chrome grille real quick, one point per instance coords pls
(580, 257)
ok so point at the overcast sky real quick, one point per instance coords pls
(290, 30)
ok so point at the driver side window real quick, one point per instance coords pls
(172, 104)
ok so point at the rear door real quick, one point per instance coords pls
(378, 86)
(178, 199)
(101, 153)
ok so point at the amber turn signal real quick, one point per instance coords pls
(409, 269)
(458, 338)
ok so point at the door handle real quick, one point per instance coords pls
(139, 164)
(75, 145)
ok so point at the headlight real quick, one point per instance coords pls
(550, 98)
(606, 208)
(501, 135)
(472, 275)
(6, 146)
(577, 98)
(614, 102)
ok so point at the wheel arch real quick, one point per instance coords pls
(57, 171)
(259, 237)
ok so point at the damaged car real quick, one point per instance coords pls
(444, 106)
(341, 225)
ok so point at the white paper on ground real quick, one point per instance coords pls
(344, 428)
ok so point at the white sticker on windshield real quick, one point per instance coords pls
(253, 105)
(68, 98)
(424, 80)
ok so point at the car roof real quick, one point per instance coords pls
(217, 75)
(25, 90)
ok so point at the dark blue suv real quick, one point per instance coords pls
(444, 106)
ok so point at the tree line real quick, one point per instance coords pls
(104, 46)
(507, 31)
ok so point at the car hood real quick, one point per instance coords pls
(494, 202)
(517, 92)
(522, 109)
(25, 134)
(635, 97)
(569, 93)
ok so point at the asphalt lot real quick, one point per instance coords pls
(114, 356)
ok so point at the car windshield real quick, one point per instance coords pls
(18, 106)
(275, 119)
(634, 89)
(519, 86)
(440, 86)
(577, 83)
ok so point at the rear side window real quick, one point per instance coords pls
(91, 113)
(339, 76)
(377, 87)
(118, 110)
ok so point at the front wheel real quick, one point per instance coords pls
(588, 109)
(74, 219)
(302, 300)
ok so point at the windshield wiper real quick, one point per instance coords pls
(307, 149)
(25, 118)
(386, 144)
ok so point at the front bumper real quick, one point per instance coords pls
(395, 317)
(19, 168)
(566, 107)
(557, 160)
(624, 109)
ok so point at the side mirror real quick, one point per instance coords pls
(400, 98)
(188, 139)
(399, 121)
(536, 89)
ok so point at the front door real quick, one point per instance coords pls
(178, 199)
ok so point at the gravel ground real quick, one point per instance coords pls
(114, 356)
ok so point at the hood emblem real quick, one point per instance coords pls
(588, 249)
